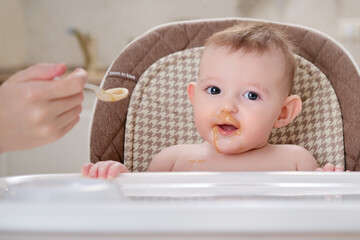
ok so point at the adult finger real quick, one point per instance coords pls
(58, 107)
(68, 117)
(67, 128)
(69, 85)
(40, 71)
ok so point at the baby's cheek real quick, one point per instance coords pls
(256, 130)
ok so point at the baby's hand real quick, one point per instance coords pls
(103, 169)
(330, 168)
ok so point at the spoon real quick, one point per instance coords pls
(110, 95)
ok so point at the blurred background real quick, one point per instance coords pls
(91, 33)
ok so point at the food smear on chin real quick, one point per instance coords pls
(227, 126)
(216, 138)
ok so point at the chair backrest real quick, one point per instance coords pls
(160, 115)
(324, 62)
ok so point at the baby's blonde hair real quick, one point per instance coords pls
(260, 37)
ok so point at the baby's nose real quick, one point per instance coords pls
(229, 106)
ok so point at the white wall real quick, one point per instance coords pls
(113, 24)
(38, 29)
(13, 38)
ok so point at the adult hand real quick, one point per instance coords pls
(35, 109)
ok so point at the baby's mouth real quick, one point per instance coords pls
(227, 129)
(226, 124)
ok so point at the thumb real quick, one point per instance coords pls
(40, 71)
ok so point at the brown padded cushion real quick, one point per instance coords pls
(107, 130)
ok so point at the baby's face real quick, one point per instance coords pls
(238, 97)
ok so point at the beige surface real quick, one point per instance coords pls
(38, 33)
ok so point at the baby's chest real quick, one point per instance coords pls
(192, 164)
(236, 163)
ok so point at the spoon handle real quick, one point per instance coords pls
(93, 87)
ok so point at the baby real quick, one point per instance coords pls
(243, 91)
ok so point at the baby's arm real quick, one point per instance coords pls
(164, 161)
(305, 160)
(103, 169)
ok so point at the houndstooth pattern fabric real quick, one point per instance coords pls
(318, 128)
(160, 114)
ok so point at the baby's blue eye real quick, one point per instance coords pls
(251, 95)
(213, 90)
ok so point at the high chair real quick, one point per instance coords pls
(157, 66)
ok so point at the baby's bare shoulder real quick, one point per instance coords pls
(166, 158)
(291, 148)
(179, 149)
(303, 158)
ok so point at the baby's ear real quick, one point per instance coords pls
(191, 90)
(289, 111)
